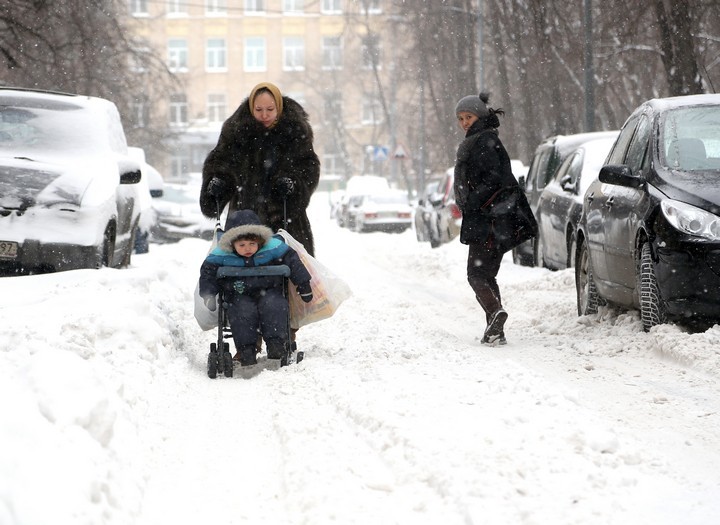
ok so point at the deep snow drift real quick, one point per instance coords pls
(397, 415)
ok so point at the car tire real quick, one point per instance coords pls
(107, 249)
(571, 250)
(538, 258)
(127, 257)
(652, 306)
(588, 299)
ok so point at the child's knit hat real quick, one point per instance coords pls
(243, 222)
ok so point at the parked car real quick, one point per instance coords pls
(546, 160)
(649, 235)
(179, 216)
(357, 185)
(388, 211)
(423, 213)
(446, 218)
(69, 191)
(152, 187)
(560, 204)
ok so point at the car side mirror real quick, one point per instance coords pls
(156, 193)
(130, 177)
(620, 175)
(566, 184)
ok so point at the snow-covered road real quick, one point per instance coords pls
(397, 415)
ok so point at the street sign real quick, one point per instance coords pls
(380, 153)
(400, 152)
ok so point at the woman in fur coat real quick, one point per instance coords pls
(264, 161)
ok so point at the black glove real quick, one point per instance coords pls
(216, 187)
(284, 186)
(210, 302)
(305, 291)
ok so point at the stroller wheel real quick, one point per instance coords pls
(228, 364)
(212, 365)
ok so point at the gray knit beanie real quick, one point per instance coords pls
(475, 104)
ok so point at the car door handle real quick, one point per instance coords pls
(609, 202)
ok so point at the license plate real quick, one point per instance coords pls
(8, 250)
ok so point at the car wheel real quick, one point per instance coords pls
(131, 246)
(571, 250)
(588, 299)
(107, 250)
(652, 306)
(539, 260)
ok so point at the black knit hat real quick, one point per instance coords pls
(475, 104)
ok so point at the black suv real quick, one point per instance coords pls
(548, 157)
(649, 235)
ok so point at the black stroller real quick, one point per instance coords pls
(220, 359)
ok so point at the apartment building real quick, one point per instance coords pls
(330, 55)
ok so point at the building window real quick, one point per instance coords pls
(216, 55)
(371, 51)
(255, 54)
(216, 107)
(177, 7)
(215, 7)
(253, 7)
(293, 6)
(332, 52)
(179, 167)
(293, 53)
(177, 54)
(371, 110)
(370, 7)
(333, 107)
(331, 7)
(178, 110)
(138, 7)
(140, 113)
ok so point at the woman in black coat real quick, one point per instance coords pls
(496, 215)
(264, 161)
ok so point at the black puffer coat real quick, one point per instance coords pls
(494, 208)
(251, 159)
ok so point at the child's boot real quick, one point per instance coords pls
(247, 355)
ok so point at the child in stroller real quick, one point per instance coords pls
(256, 304)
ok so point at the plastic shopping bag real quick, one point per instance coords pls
(206, 318)
(329, 290)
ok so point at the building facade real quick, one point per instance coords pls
(332, 56)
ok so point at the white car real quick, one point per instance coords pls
(387, 211)
(69, 192)
(178, 215)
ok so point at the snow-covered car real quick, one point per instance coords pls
(179, 216)
(357, 185)
(387, 211)
(69, 192)
(152, 186)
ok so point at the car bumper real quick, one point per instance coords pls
(688, 279)
(33, 256)
(386, 224)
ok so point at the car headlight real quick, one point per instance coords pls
(691, 220)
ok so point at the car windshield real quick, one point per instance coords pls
(691, 138)
(28, 128)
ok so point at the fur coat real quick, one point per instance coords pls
(253, 161)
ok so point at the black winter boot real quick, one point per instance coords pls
(247, 355)
(276, 348)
